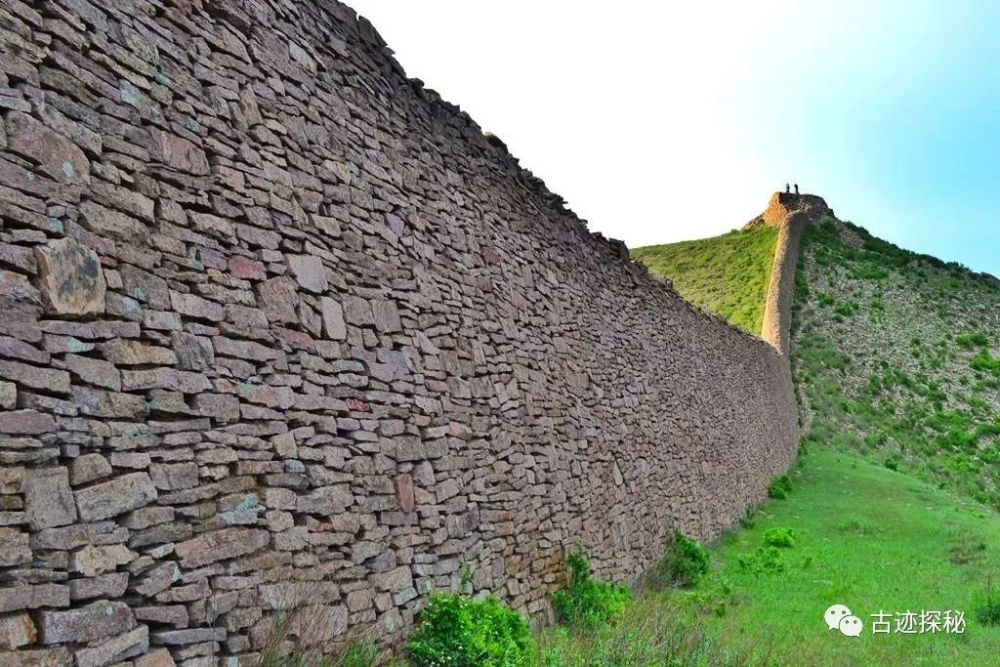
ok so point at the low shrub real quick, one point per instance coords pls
(764, 560)
(683, 565)
(459, 631)
(780, 487)
(781, 536)
(988, 605)
(587, 602)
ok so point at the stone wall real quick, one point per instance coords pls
(281, 330)
(791, 213)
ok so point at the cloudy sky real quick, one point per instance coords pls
(666, 121)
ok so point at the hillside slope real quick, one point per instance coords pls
(726, 274)
(897, 356)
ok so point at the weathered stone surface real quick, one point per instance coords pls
(17, 631)
(26, 422)
(333, 319)
(126, 645)
(404, 493)
(220, 545)
(386, 316)
(123, 352)
(58, 157)
(178, 153)
(344, 345)
(55, 657)
(97, 372)
(94, 560)
(174, 476)
(84, 624)
(158, 658)
(309, 272)
(278, 298)
(21, 304)
(119, 495)
(196, 307)
(87, 468)
(26, 375)
(14, 547)
(194, 353)
(71, 278)
(24, 596)
(48, 500)
(8, 395)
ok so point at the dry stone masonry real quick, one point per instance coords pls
(280, 330)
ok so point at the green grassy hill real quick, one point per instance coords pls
(896, 357)
(726, 274)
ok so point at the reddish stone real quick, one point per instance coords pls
(246, 268)
(297, 339)
(354, 405)
(404, 492)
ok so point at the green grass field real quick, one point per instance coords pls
(865, 536)
(726, 274)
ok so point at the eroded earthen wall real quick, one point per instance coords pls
(281, 330)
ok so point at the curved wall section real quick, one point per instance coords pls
(281, 330)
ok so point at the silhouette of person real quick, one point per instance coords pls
(796, 189)
(788, 189)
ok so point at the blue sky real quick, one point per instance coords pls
(661, 123)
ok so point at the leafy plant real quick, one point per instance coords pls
(459, 631)
(587, 602)
(763, 560)
(684, 564)
(780, 487)
(780, 536)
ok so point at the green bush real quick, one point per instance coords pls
(683, 565)
(586, 602)
(781, 536)
(459, 631)
(780, 487)
(988, 605)
(764, 560)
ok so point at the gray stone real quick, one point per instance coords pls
(48, 499)
(14, 547)
(194, 353)
(71, 278)
(309, 272)
(25, 422)
(85, 624)
(386, 316)
(20, 597)
(17, 631)
(126, 645)
(221, 545)
(278, 297)
(58, 157)
(178, 153)
(333, 319)
(121, 494)
(87, 468)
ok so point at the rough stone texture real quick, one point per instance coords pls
(70, 278)
(345, 345)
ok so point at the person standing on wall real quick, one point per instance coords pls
(796, 189)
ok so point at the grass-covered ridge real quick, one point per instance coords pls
(726, 274)
(896, 356)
